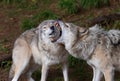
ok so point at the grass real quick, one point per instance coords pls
(37, 75)
(3, 48)
(26, 4)
(44, 15)
(58, 79)
(73, 61)
(70, 6)
(112, 25)
(29, 23)
(93, 3)
(73, 6)
(67, 6)
(116, 25)
(26, 24)
(6, 65)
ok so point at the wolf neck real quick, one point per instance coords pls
(82, 48)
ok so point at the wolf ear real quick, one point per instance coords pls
(83, 31)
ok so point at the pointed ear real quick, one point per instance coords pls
(83, 31)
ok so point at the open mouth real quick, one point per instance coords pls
(52, 37)
(56, 31)
(52, 33)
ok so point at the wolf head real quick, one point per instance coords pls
(70, 33)
(50, 29)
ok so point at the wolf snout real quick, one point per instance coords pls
(52, 28)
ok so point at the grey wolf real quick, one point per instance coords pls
(99, 48)
(33, 48)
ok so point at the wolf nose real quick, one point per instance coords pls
(52, 28)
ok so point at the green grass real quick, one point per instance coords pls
(73, 6)
(73, 61)
(6, 64)
(70, 6)
(37, 75)
(116, 25)
(17, 1)
(112, 25)
(58, 79)
(3, 48)
(26, 24)
(36, 19)
(6, 1)
(26, 4)
(93, 3)
(44, 15)
(118, 80)
(23, 1)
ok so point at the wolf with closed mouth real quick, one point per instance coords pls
(99, 48)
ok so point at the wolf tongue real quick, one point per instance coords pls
(57, 24)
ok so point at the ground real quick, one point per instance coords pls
(10, 19)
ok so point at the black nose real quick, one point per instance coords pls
(52, 28)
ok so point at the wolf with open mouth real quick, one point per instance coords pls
(34, 47)
(99, 48)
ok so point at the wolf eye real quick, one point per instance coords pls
(44, 27)
(66, 25)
